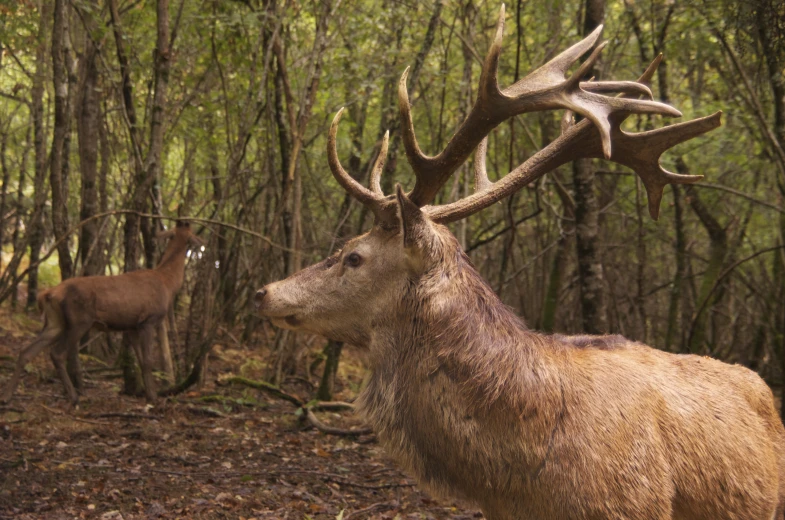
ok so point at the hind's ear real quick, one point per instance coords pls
(413, 223)
(195, 240)
(163, 235)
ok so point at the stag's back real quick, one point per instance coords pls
(707, 433)
(598, 428)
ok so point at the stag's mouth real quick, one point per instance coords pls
(285, 322)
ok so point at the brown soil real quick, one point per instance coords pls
(220, 452)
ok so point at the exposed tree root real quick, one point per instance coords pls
(307, 408)
(331, 430)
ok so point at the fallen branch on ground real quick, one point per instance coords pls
(306, 408)
(331, 430)
(375, 508)
(263, 385)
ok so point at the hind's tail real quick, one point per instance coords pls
(50, 309)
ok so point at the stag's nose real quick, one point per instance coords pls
(259, 297)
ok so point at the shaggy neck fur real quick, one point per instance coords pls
(451, 359)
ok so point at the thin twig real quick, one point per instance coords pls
(378, 507)
(122, 415)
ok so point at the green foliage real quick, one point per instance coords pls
(239, 85)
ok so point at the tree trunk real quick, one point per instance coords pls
(718, 251)
(59, 150)
(675, 334)
(36, 225)
(17, 238)
(88, 123)
(4, 191)
(147, 170)
(594, 307)
(327, 385)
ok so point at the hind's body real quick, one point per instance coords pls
(134, 303)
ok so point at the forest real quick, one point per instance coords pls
(120, 117)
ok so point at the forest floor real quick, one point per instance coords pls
(219, 452)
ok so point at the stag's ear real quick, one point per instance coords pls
(414, 226)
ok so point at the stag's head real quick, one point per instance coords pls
(409, 248)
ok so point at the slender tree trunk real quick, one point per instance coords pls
(327, 385)
(780, 334)
(88, 123)
(284, 148)
(36, 225)
(718, 251)
(100, 255)
(4, 190)
(17, 237)
(137, 199)
(594, 306)
(145, 170)
(774, 54)
(548, 131)
(61, 125)
(674, 334)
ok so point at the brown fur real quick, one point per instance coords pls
(134, 302)
(530, 426)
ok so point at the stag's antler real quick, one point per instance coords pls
(546, 88)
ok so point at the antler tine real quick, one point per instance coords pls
(372, 199)
(629, 88)
(642, 152)
(645, 78)
(543, 89)
(481, 181)
(378, 167)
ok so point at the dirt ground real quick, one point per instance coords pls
(224, 451)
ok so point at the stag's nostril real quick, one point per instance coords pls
(259, 297)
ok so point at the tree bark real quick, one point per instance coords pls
(594, 307)
(36, 224)
(61, 126)
(17, 237)
(4, 190)
(718, 251)
(88, 123)
(145, 170)
(675, 334)
(327, 385)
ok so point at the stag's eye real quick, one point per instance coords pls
(353, 260)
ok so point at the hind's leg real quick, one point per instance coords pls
(68, 343)
(47, 337)
(74, 367)
(145, 358)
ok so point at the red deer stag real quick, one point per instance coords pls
(134, 303)
(527, 425)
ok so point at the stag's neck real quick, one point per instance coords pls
(453, 357)
(172, 264)
(452, 321)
